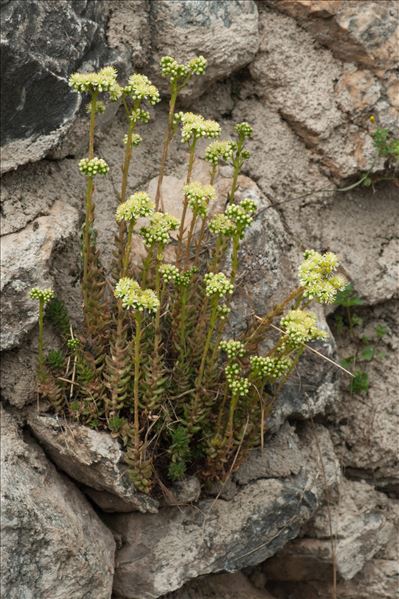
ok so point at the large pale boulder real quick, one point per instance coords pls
(92, 458)
(53, 543)
(225, 33)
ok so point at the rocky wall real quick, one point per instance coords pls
(307, 75)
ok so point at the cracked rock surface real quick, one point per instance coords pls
(307, 75)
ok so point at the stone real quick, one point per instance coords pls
(29, 267)
(185, 491)
(220, 586)
(160, 552)
(226, 34)
(90, 457)
(367, 36)
(366, 439)
(42, 44)
(362, 527)
(53, 543)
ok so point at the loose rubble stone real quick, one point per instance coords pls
(53, 543)
(93, 458)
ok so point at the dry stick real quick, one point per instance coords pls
(317, 352)
(329, 516)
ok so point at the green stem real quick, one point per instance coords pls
(190, 237)
(214, 171)
(230, 425)
(234, 258)
(198, 382)
(41, 359)
(166, 144)
(146, 267)
(191, 159)
(182, 321)
(128, 249)
(157, 326)
(137, 342)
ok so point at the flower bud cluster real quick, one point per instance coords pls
(223, 311)
(139, 87)
(194, 126)
(317, 274)
(222, 226)
(103, 81)
(135, 298)
(44, 295)
(233, 349)
(300, 327)
(217, 285)
(73, 343)
(137, 205)
(93, 166)
(100, 107)
(237, 384)
(241, 215)
(219, 151)
(199, 196)
(171, 274)
(158, 231)
(136, 139)
(176, 72)
(244, 130)
(271, 368)
(139, 115)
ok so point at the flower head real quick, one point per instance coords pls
(73, 343)
(139, 115)
(241, 215)
(140, 88)
(194, 126)
(181, 73)
(243, 130)
(317, 275)
(222, 225)
(171, 274)
(137, 205)
(217, 285)
(219, 151)
(199, 197)
(93, 166)
(136, 139)
(158, 231)
(233, 349)
(300, 327)
(44, 295)
(135, 298)
(268, 367)
(103, 81)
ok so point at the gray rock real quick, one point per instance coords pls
(53, 544)
(42, 43)
(362, 527)
(226, 33)
(220, 586)
(93, 458)
(30, 267)
(160, 552)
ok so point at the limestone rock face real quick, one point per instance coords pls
(93, 458)
(226, 34)
(53, 543)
